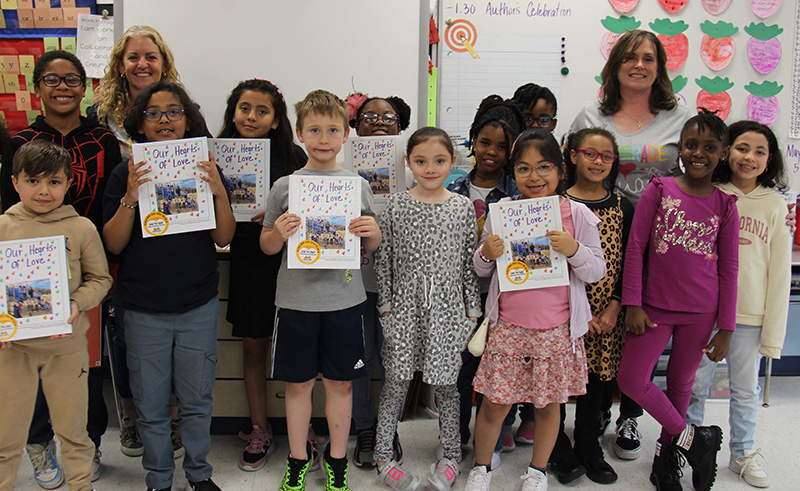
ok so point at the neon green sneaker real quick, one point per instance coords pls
(295, 478)
(335, 472)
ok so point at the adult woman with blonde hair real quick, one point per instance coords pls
(139, 58)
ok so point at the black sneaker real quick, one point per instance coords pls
(700, 445)
(567, 469)
(599, 471)
(206, 485)
(365, 448)
(397, 449)
(666, 474)
(627, 445)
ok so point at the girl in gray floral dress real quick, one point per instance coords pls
(428, 301)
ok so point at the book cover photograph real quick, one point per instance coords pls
(245, 164)
(528, 261)
(34, 288)
(175, 200)
(326, 206)
(379, 160)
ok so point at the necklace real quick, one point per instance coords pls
(639, 122)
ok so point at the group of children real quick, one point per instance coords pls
(435, 275)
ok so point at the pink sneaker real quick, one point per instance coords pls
(508, 439)
(524, 434)
(259, 446)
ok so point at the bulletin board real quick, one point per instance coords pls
(28, 28)
(561, 44)
(375, 46)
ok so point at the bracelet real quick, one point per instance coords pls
(480, 253)
(126, 205)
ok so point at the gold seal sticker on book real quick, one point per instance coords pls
(308, 252)
(8, 327)
(156, 223)
(517, 272)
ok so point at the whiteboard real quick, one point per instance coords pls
(578, 22)
(300, 45)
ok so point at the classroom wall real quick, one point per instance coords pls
(300, 45)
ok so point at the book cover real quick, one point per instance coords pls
(527, 261)
(175, 200)
(326, 206)
(245, 164)
(379, 160)
(34, 288)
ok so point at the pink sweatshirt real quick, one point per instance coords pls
(683, 252)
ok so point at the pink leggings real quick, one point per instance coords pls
(690, 332)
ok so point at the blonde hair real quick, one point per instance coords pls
(321, 102)
(113, 96)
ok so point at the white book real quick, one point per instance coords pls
(245, 164)
(175, 200)
(326, 206)
(528, 261)
(34, 297)
(379, 160)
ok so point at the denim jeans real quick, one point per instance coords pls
(743, 363)
(166, 353)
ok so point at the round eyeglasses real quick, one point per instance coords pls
(543, 170)
(372, 118)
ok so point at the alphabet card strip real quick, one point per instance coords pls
(175, 200)
(245, 164)
(527, 261)
(326, 206)
(34, 288)
(379, 160)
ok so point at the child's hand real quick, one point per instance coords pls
(717, 348)
(607, 320)
(211, 175)
(563, 242)
(636, 320)
(5, 345)
(473, 319)
(493, 247)
(258, 218)
(386, 313)
(364, 227)
(286, 225)
(74, 312)
(136, 177)
(791, 219)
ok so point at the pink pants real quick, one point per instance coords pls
(690, 332)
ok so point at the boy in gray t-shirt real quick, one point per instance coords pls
(318, 326)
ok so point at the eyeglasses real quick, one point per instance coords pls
(524, 170)
(154, 115)
(541, 122)
(53, 80)
(372, 118)
(592, 154)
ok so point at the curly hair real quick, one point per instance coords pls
(774, 176)
(575, 141)
(281, 137)
(45, 59)
(195, 123)
(661, 95)
(113, 96)
(398, 104)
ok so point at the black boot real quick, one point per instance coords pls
(700, 445)
(666, 474)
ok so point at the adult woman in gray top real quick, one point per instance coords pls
(640, 108)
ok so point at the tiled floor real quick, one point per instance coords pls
(778, 435)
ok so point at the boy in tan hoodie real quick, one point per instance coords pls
(41, 176)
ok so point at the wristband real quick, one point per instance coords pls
(480, 253)
(126, 205)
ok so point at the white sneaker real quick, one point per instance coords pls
(46, 470)
(479, 479)
(534, 480)
(749, 469)
(444, 474)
